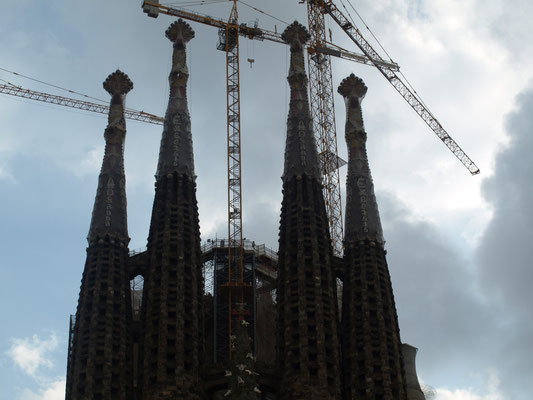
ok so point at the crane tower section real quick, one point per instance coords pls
(323, 112)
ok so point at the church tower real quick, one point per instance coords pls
(308, 350)
(371, 349)
(99, 364)
(172, 312)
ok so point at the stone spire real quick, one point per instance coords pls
(109, 212)
(172, 311)
(372, 361)
(300, 149)
(307, 342)
(362, 215)
(100, 356)
(176, 154)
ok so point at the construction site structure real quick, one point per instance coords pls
(323, 112)
(134, 115)
(147, 325)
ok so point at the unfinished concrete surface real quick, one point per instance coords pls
(414, 392)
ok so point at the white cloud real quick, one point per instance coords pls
(29, 354)
(493, 391)
(52, 391)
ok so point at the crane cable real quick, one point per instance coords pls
(194, 3)
(385, 51)
(263, 12)
(52, 85)
(367, 27)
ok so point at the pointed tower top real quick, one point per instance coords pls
(118, 83)
(109, 212)
(362, 215)
(176, 152)
(295, 35)
(301, 156)
(179, 32)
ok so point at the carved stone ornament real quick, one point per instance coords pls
(179, 32)
(118, 83)
(295, 35)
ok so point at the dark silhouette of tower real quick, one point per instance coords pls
(99, 364)
(308, 349)
(172, 333)
(119, 353)
(371, 349)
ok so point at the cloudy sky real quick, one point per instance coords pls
(457, 244)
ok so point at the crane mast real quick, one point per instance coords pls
(229, 42)
(323, 112)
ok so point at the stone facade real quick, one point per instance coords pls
(158, 354)
(172, 311)
(308, 347)
(371, 348)
(100, 366)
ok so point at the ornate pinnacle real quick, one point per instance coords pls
(362, 215)
(109, 212)
(353, 90)
(295, 35)
(118, 83)
(176, 153)
(353, 86)
(179, 32)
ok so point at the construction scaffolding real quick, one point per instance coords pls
(259, 273)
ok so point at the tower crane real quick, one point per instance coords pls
(321, 92)
(229, 32)
(316, 10)
(18, 91)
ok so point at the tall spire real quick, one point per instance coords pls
(308, 347)
(176, 154)
(372, 361)
(362, 215)
(300, 150)
(100, 356)
(172, 311)
(109, 212)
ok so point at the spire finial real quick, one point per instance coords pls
(118, 83)
(179, 32)
(295, 35)
(353, 89)
(352, 86)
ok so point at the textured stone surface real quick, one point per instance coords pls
(362, 216)
(172, 311)
(300, 150)
(109, 212)
(371, 349)
(100, 365)
(176, 154)
(306, 299)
